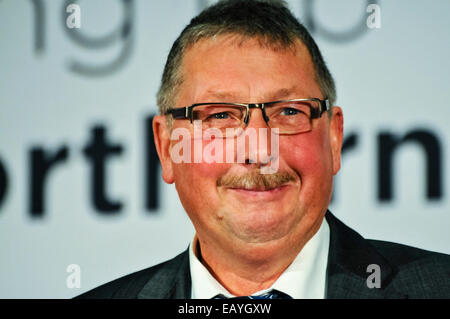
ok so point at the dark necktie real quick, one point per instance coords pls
(272, 294)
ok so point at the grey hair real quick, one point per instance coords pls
(269, 21)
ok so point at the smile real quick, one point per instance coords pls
(260, 193)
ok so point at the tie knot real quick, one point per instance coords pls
(272, 294)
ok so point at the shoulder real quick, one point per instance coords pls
(129, 286)
(403, 255)
(404, 271)
(421, 273)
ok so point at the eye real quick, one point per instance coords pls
(289, 111)
(220, 116)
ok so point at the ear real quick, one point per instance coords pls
(336, 137)
(161, 134)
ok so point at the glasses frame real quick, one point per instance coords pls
(186, 112)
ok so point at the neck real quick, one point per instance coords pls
(248, 267)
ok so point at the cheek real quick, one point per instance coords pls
(196, 159)
(309, 155)
(196, 187)
(199, 178)
(196, 182)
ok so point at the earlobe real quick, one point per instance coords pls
(161, 135)
(336, 137)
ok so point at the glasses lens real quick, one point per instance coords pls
(291, 116)
(219, 116)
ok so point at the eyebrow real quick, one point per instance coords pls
(235, 97)
(222, 95)
(283, 93)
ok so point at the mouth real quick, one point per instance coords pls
(257, 189)
(260, 193)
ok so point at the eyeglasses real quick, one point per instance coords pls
(288, 116)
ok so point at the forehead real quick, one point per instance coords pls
(229, 69)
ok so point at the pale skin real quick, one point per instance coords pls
(248, 238)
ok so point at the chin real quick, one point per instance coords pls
(261, 226)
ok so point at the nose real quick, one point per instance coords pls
(253, 111)
(258, 137)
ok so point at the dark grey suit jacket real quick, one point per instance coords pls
(406, 272)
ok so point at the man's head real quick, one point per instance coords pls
(251, 52)
(268, 21)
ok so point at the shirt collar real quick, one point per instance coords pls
(305, 278)
(204, 285)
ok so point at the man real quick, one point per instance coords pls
(250, 66)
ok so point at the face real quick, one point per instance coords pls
(252, 219)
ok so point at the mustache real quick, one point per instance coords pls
(255, 180)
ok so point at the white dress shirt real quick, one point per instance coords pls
(305, 278)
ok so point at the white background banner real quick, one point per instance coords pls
(80, 186)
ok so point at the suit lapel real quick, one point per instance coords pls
(348, 258)
(171, 281)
